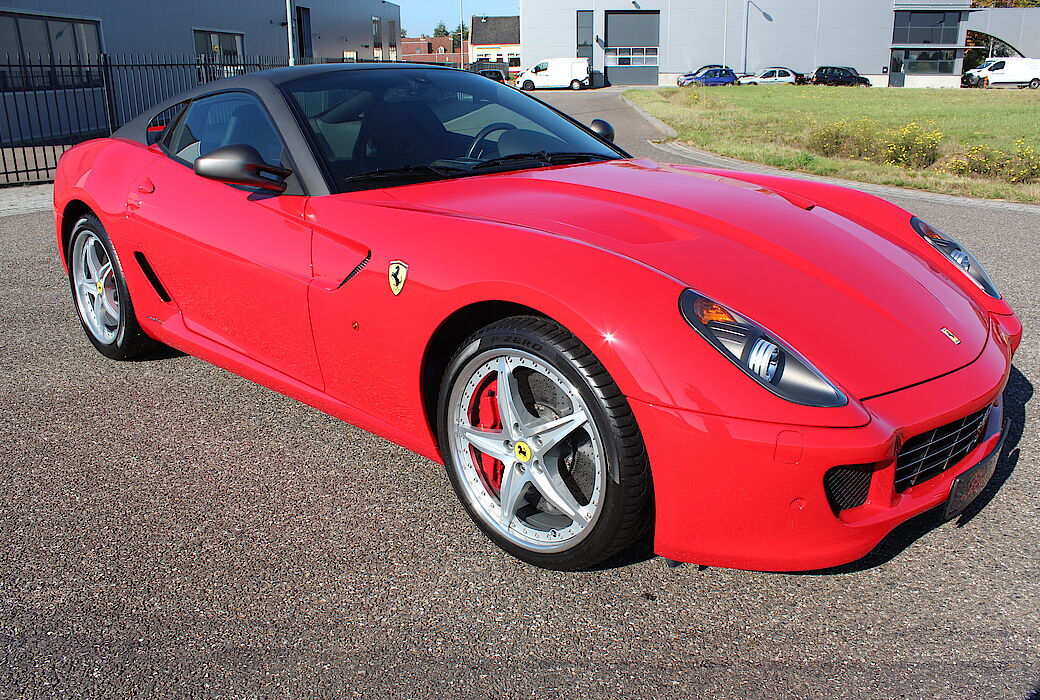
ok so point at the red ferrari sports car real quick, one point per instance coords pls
(756, 371)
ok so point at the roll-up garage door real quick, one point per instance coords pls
(633, 40)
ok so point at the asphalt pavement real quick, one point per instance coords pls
(169, 529)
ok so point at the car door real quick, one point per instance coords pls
(769, 77)
(998, 72)
(783, 76)
(541, 75)
(234, 259)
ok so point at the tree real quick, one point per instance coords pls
(441, 29)
(404, 33)
(455, 36)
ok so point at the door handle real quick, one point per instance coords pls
(146, 186)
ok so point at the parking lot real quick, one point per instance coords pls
(171, 529)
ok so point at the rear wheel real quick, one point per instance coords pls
(100, 292)
(528, 85)
(541, 446)
(1034, 84)
(576, 85)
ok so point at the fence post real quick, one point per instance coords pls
(110, 104)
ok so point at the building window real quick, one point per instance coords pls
(924, 61)
(377, 39)
(391, 28)
(56, 48)
(631, 56)
(218, 44)
(585, 34)
(926, 27)
(514, 61)
(304, 43)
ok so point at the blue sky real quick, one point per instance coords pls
(421, 16)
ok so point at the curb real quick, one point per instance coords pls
(654, 121)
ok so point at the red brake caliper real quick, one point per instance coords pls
(484, 414)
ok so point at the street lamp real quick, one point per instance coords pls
(747, 23)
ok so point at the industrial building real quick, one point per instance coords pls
(649, 42)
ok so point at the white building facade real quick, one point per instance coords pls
(916, 44)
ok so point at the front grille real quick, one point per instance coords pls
(847, 486)
(932, 453)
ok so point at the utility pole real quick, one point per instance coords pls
(291, 33)
(462, 34)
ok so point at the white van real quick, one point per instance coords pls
(1005, 72)
(556, 73)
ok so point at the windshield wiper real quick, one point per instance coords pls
(542, 158)
(402, 172)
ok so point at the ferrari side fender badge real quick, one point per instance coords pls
(945, 331)
(397, 274)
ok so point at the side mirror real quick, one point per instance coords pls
(239, 164)
(603, 129)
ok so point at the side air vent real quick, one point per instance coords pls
(847, 486)
(153, 278)
(359, 268)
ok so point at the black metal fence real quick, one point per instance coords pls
(48, 105)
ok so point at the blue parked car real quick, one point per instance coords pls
(712, 76)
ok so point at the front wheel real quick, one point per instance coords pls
(541, 446)
(576, 85)
(528, 85)
(100, 292)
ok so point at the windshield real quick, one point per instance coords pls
(392, 126)
(985, 65)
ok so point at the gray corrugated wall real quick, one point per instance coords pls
(157, 27)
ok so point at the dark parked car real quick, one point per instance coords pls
(838, 75)
(496, 75)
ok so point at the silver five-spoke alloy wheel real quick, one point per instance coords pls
(94, 283)
(526, 451)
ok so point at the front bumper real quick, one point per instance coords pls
(750, 495)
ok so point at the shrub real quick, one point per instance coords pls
(845, 139)
(1023, 165)
(912, 146)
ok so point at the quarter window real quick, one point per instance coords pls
(223, 120)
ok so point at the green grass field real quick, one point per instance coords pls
(773, 125)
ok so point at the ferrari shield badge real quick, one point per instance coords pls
(945, 331)
(397, 274)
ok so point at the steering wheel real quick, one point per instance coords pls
(484, 133)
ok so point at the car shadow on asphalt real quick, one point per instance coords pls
(1018, 393)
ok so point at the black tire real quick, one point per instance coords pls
(528, 85)
(1034, 84)
(129, 339)
(625, 512)
(576, 85)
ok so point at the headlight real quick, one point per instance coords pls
(761, 356)
(952, 249)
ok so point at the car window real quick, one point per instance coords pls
(384, 119)
(999, 65)
(222, 120)
(769, 74)
(544, 65)
(783, 74)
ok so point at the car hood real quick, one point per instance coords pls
(866, 310)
